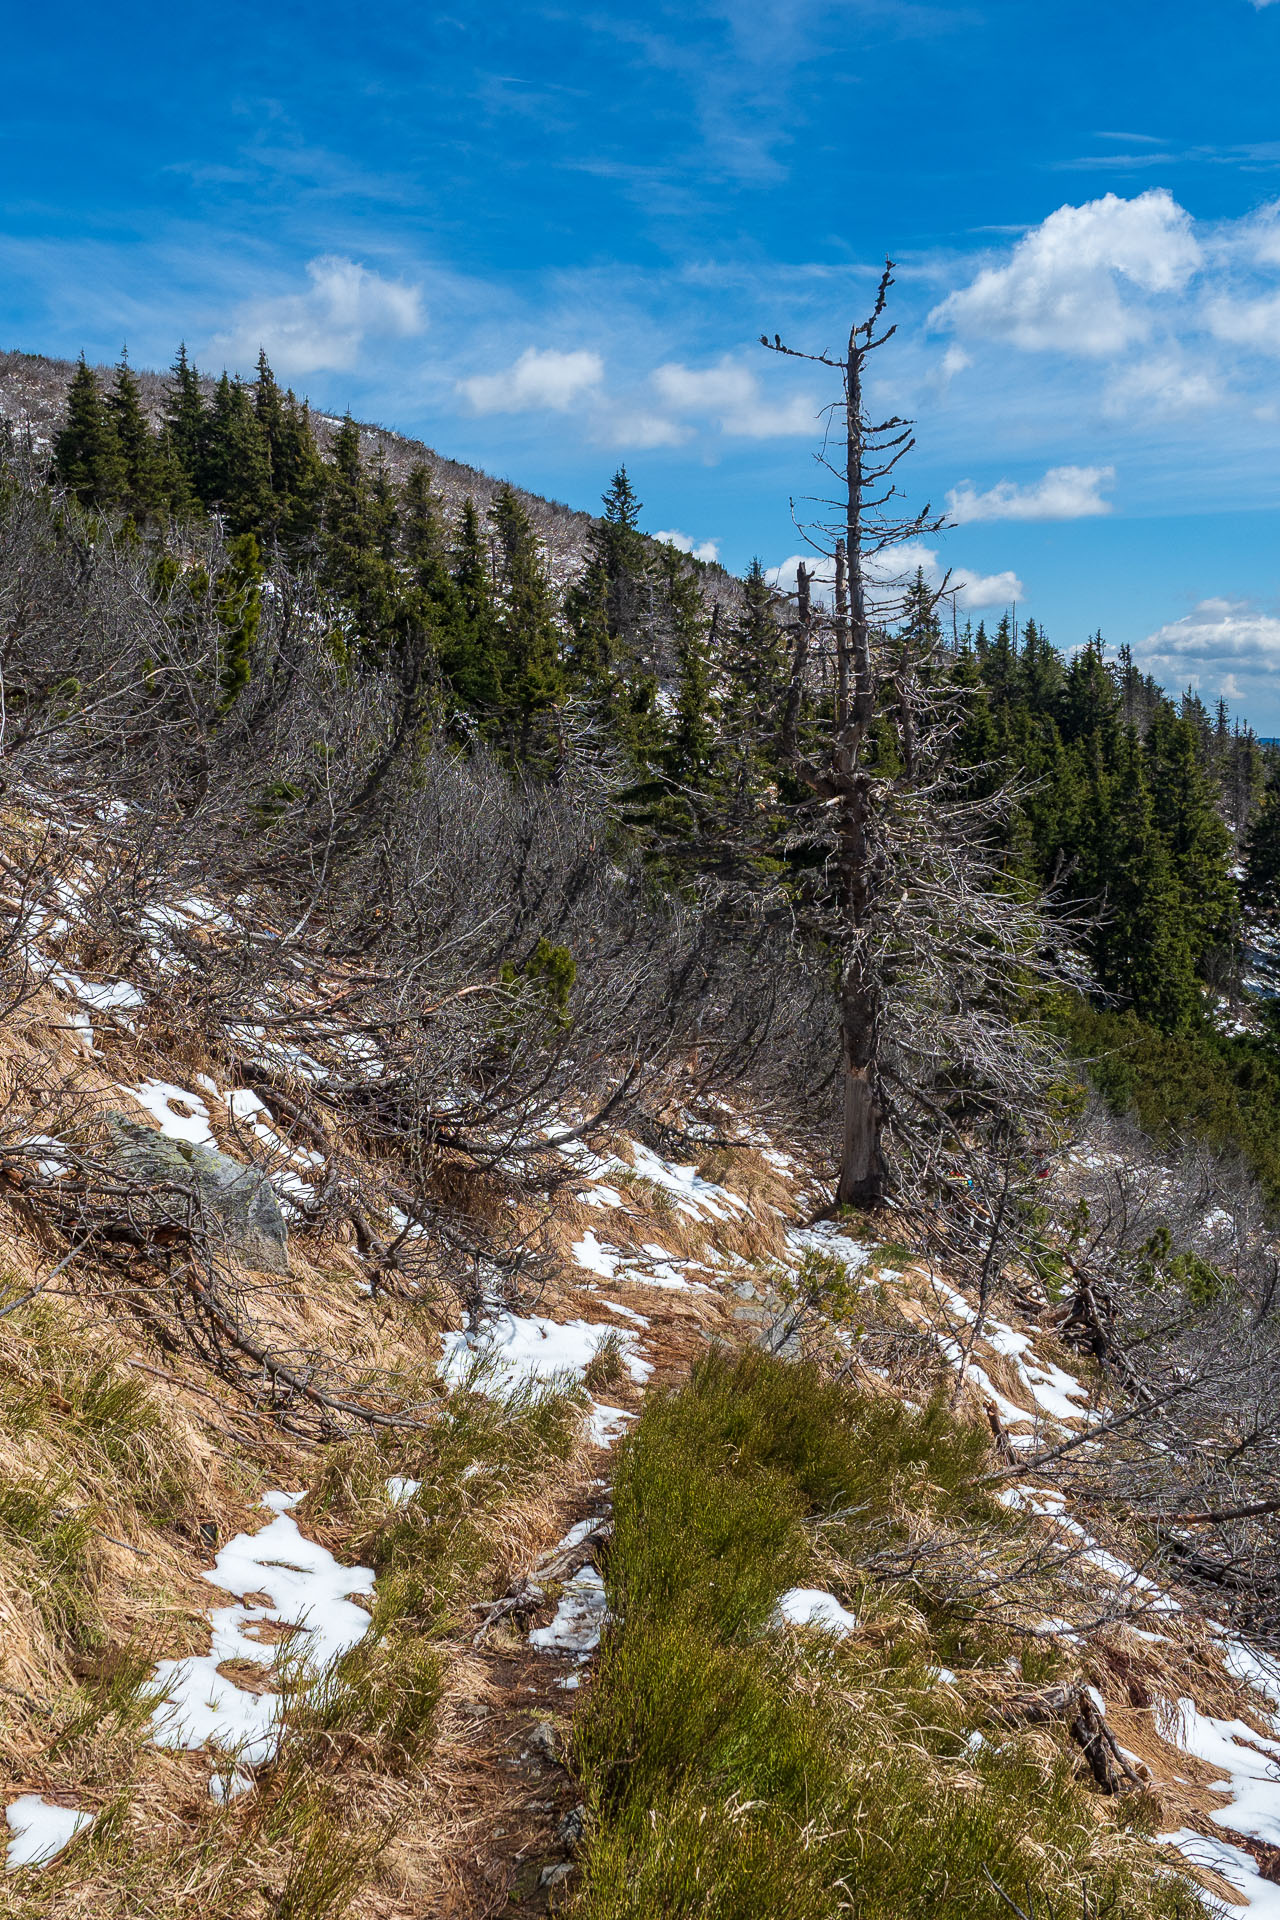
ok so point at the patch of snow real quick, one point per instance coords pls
(157, 1097)
(309, 1592)
(40, 1829)
(105, 996)
(615, 1306)
(827, 1238)
(400, 1489)
(1238, 1868)
(602, 1196)
(1247, 1759)
(577, 1532)
(1261, 1671)
(604, 1424)
(511, 1350)
(693, 1195)
(54, 1163)
(596, 1257)
(811, 1607)
(280, 1502)
(580, 1618)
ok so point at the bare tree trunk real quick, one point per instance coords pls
(862, 1173)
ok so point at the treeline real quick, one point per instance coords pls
(469, 608)
(1135, 808)
(1132, 801)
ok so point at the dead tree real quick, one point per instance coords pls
(929, 941)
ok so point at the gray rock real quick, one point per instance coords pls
(235, 1204)
(572, 1826)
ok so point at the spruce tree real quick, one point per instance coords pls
(470, 654)
(1197, 838)
(184, 435)
(1140, 948)
(358, 562)
(235, 477)
(609, 608)
(86, 453)
(239, 605)
(142, 492)
(530, 672)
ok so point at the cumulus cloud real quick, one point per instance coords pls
(328, 323)
(1218, 640)
(1065, 493)
(1080, 282)
(730, 393)
(543, 378)
(974, 592)
(704, 550)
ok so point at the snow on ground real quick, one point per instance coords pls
(157, 1096)
(1133, 1585)
(40, 1829)
(1247, 1761)
(309, 1593)
(400, 1489)
(692, 1195)
(811, 1607)
(826, 1238)
(507, 1351)
(604, 1424)
(1239, 1869)
(580, 1618)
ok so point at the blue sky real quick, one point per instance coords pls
(545, 239)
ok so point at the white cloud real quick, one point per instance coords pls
(542, 378)
(1218, 640)
(730, 393)
(705, 550)
(1065, 493)
(1075, 283)
(1247, 323)
(639, 429)
(1162, 385)
(326, 326)
(894, 571)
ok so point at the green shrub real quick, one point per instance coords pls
(747, 1773)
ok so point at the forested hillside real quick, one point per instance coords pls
(435, 920)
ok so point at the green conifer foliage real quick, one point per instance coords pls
(142, 493)
(609, 608)
(239, 604)
(1260, 887)
(358, 548)
(470, 654)
(235, 477)
(1141, 949)
(1195, 834)
(528, 636)
(184, 436)
(86, 454)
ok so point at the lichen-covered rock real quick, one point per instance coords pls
(234, 1203)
